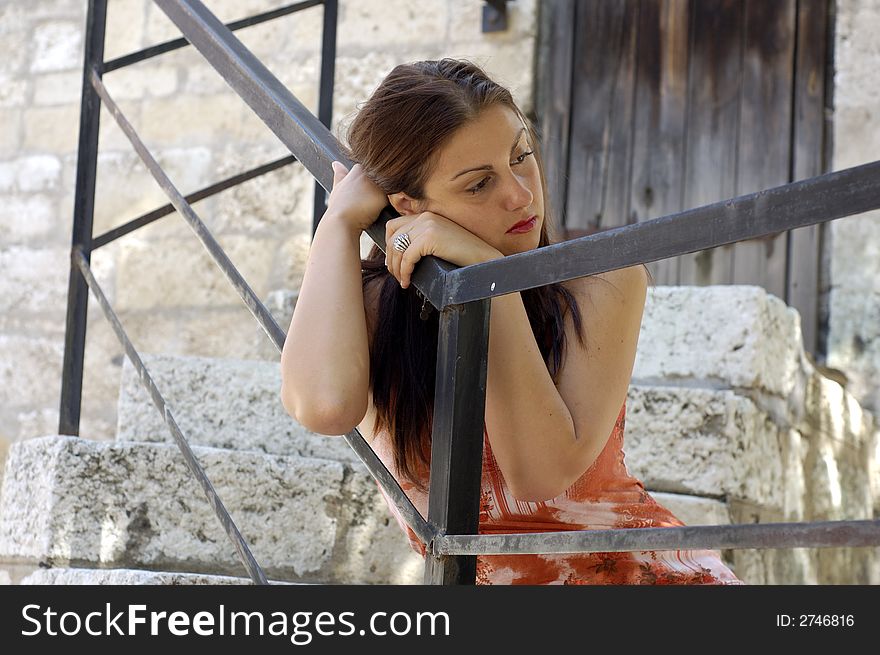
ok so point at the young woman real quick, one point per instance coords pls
(454, 155)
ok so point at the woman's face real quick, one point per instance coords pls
(486, 179)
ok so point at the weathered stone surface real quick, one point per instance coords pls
(30, 371)
(69, 501)
(182, 274)
(56, 45)
(702, 442)
(694, 510)
(126, 577)
(4, 578)
(854, 243)
(57, 88)
(221, 403)
(754, 343)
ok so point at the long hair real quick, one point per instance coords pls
(395, 137)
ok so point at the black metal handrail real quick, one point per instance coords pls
(81, 278)
(464, 296)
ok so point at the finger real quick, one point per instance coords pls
(339, 171)
(395, 227)
(407, 263)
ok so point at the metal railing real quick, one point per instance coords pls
(462, 295)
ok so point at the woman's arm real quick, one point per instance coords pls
(325, 362)
(545, 437)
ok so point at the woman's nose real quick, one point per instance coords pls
(518, 194)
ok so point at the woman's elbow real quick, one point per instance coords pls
(330, 418)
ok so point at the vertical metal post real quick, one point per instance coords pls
(83, 214)
(457, 435)
(325, 98)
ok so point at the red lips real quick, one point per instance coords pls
(524, 226)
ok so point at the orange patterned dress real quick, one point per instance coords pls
(605, 496)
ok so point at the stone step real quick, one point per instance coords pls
(697, 441)
(221, 403)
(67, 576)
(74, 502)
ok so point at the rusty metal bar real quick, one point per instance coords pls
(201, 194)
(70, 403)
(254, 304)
(168, 46)
(807, 202)
(244, 553)
(411, 516)
(818, 534)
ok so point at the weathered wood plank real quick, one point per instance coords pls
(809, 103)
(660, 107)
(764, 151)
(618, 152)
(553, 99)
(712, 116)
(601, 29)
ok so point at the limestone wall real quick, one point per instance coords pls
(854, 299)
(169, 294)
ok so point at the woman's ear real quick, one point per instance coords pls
(403, 204)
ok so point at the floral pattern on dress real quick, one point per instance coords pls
(606, 496)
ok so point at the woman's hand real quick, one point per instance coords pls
(436, 235)
(354, 199)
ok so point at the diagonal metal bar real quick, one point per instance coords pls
(168, 46)
(807, 202)
(201, 194)
(244, 553)
(818, 534)
(254, 304)
(297, 128)
(411, 516)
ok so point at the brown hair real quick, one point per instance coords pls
(395, 137)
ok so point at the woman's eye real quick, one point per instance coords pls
(478, 186)
(482, 183)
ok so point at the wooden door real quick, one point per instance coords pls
(650, 107)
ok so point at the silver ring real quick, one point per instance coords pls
(401, 242)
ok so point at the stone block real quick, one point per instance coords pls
(152, 80)
(58, 88)
(4, 578)
(225, 403)
(53, 129)
(125, 27)
(13, 93)
(62, 576)
(56, 45)
(702, 442)
(11, 135)
(694, 510)
(198, 120)
(26, 218)
(398, 22)
(34, 173)
(181, 273)
(30, 370)
(34, 280)
(74, 501)
(277, 204)
(755, 343)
